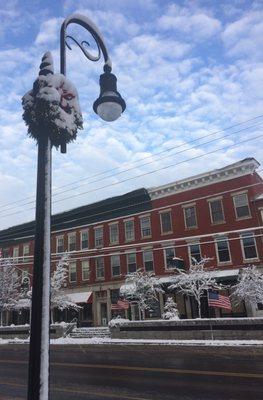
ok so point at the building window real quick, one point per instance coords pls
(145, 226)
(148, 260)
(169, 255)
(166, 222)
(223, 253)
(84, 240)
(131, 262)
(190, 217)
(98, 236)
(195, 253)
(6, 253)
(85, 270)
(249, 246)
(241, 205)
(114, 233)
(25, 281)
(129, 229)
(115, 265)
(60, 244)
(72, 272)
(216, 211)
(15, 254)
(26, 252)
(72, 241)
(99, 262)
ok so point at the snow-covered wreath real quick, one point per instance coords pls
(52, 106)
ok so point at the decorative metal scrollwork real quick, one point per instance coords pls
(82, 48)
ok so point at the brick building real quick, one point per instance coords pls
(218, 214)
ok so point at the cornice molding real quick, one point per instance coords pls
(241, 168)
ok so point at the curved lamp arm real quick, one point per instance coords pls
(94, 31)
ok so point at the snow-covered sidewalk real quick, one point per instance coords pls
(156, 342)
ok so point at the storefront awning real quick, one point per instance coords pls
(80, 297)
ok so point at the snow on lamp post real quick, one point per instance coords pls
(53, 117)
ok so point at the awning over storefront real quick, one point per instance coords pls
(80, 297)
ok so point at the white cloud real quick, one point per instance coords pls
(49, 31)
(198, 24)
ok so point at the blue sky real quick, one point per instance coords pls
(185, 69)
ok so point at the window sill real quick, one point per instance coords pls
(99, 279)
(245, 260)
(113, 243)
(241, 218)
(146, 237)
(222, 263)
(166, 233)
(129, 240)
(191, 228)
(218, 223)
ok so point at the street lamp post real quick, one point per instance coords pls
(55, 132)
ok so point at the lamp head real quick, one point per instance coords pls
(109, 105)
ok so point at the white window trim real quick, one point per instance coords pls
(243, 250)
(59, 237)
(146, 236)
(72, 234)
(165, 261)
(69, 275)
(217, 253)
(236, 194)
(144, 250)
(133, 238)
(127, 253)
(15, 258)
(193, 226)
(189, 252)
(85, 279)
(115, 276)
(118, 240)
(223, 221)
(95, 229)
(160, 216)
(84, 231)
(100, 278)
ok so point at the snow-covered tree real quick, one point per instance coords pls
(8, 287)
(58, 297)
(195, 281)
(249, 286)
(170, 310)
(142, 287)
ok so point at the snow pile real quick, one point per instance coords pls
(52, 106)
(115, 322)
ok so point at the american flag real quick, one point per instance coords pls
(121, 304)
(217, 300)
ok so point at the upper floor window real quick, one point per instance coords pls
(249, 246)
(84, 239)
(145, 226)
(241, 205)
(99, 262)
(72, 244)
(60, 244)
(72, 272)
(129, 229)
(190, 217)
(85, 270)
(26, 252)
(98, 236)
(5, 253)
(216, 211)
(131, 262)
(15, 254)
(148, 260)
(223, 253)
(166, 221)
(114, 233)
(115, 265)
(169, 254)
(195, 253)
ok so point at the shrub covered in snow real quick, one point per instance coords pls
(52, 106)
(170, 310)
(118, 321)
(249, 286)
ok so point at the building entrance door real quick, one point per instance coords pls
(103, 314)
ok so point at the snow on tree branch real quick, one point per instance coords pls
(170, 310)
(8, 286)
(195, 281)
(52, 106)
(141, 287)
(249, 286)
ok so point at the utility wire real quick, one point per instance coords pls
(150, 156)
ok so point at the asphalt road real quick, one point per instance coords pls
(135, 372)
